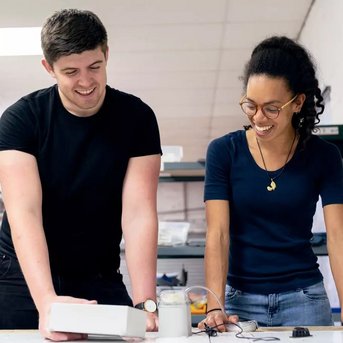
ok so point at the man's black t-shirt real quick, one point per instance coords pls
(82, 163)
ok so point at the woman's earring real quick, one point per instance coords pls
(301, 121)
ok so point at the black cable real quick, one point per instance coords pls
(254, 339)
(211, 332)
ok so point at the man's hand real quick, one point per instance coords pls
(151, 321)
(44, 319)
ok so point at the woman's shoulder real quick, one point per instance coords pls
(231, 138)
(320, 145)
(228, 143)
(221, 155)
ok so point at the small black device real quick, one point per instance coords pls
(300, 332)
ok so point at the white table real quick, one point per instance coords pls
(319, 335)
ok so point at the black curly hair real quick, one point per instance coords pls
(279, 56)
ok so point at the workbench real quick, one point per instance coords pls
(332, 334)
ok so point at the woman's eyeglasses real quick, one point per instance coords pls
(269, 111)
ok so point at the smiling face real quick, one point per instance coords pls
(263, 90)
(81, 80)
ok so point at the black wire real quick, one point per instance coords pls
(209, 330)
(212, 332)
(255, 339)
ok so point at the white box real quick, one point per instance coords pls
(173, 233)
(172, 153)
(97, 319)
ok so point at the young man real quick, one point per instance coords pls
(79, 167)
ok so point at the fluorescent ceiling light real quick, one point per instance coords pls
(20, 41)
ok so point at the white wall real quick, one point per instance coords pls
(323, 36)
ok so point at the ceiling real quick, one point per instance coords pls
(182, 57)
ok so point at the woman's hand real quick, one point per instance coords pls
(217, 319)
(44, 312)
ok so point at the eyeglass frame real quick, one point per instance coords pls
(241, 102)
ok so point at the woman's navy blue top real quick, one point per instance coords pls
(270, 232)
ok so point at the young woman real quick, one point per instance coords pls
(261, 189)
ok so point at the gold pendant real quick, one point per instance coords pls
(272, 186)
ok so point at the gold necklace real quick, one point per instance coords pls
(272, 185)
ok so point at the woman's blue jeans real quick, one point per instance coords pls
(302, 307)
(17, 310)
